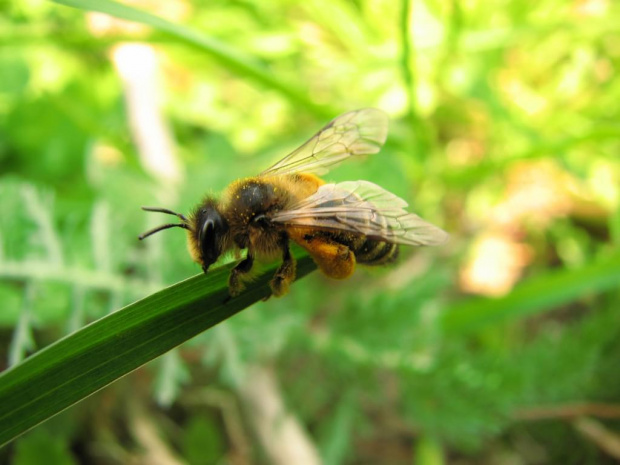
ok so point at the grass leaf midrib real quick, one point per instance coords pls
(84, 362)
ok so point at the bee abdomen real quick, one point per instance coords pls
(372, 252)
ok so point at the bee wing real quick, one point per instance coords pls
(365, 208)
(358, 132)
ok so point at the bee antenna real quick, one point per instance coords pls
(165, 210)
(161, 228)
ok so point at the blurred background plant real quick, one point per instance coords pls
(500, 347)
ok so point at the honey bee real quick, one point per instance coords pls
(338, 224)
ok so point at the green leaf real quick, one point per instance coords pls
(42, 447)
(231, 58)
(428, 451)
(83, 362)
(535, 295)
(202, 440)
(336, 440)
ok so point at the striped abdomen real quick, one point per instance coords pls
(367, 251)
(373, 252)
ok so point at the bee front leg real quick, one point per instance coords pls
(285, 274)
(235, 280)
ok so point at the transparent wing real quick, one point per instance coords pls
(365, 208)
(358, 132)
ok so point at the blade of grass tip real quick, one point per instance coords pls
(89, 359)
(534, 296)
(230, 57)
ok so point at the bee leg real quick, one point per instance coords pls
(334, 259)
(235, 284)
(285, 274)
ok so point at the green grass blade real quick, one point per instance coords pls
(534, 296)
(89, 359)
(233, 59)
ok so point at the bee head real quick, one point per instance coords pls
(209, 233)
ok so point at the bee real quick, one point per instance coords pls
(339, 225)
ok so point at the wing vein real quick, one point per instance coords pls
(359, 132)
(365, 208)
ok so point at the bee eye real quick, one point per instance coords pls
(207, 242)
(210, 237)
(260, 220)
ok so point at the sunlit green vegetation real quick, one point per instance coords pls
(499, 347)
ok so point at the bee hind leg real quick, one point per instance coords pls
(235, 280)
(334, 259)
(285, 274)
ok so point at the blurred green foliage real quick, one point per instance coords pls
(504, 131)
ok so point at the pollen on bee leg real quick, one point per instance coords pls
(334, 259)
